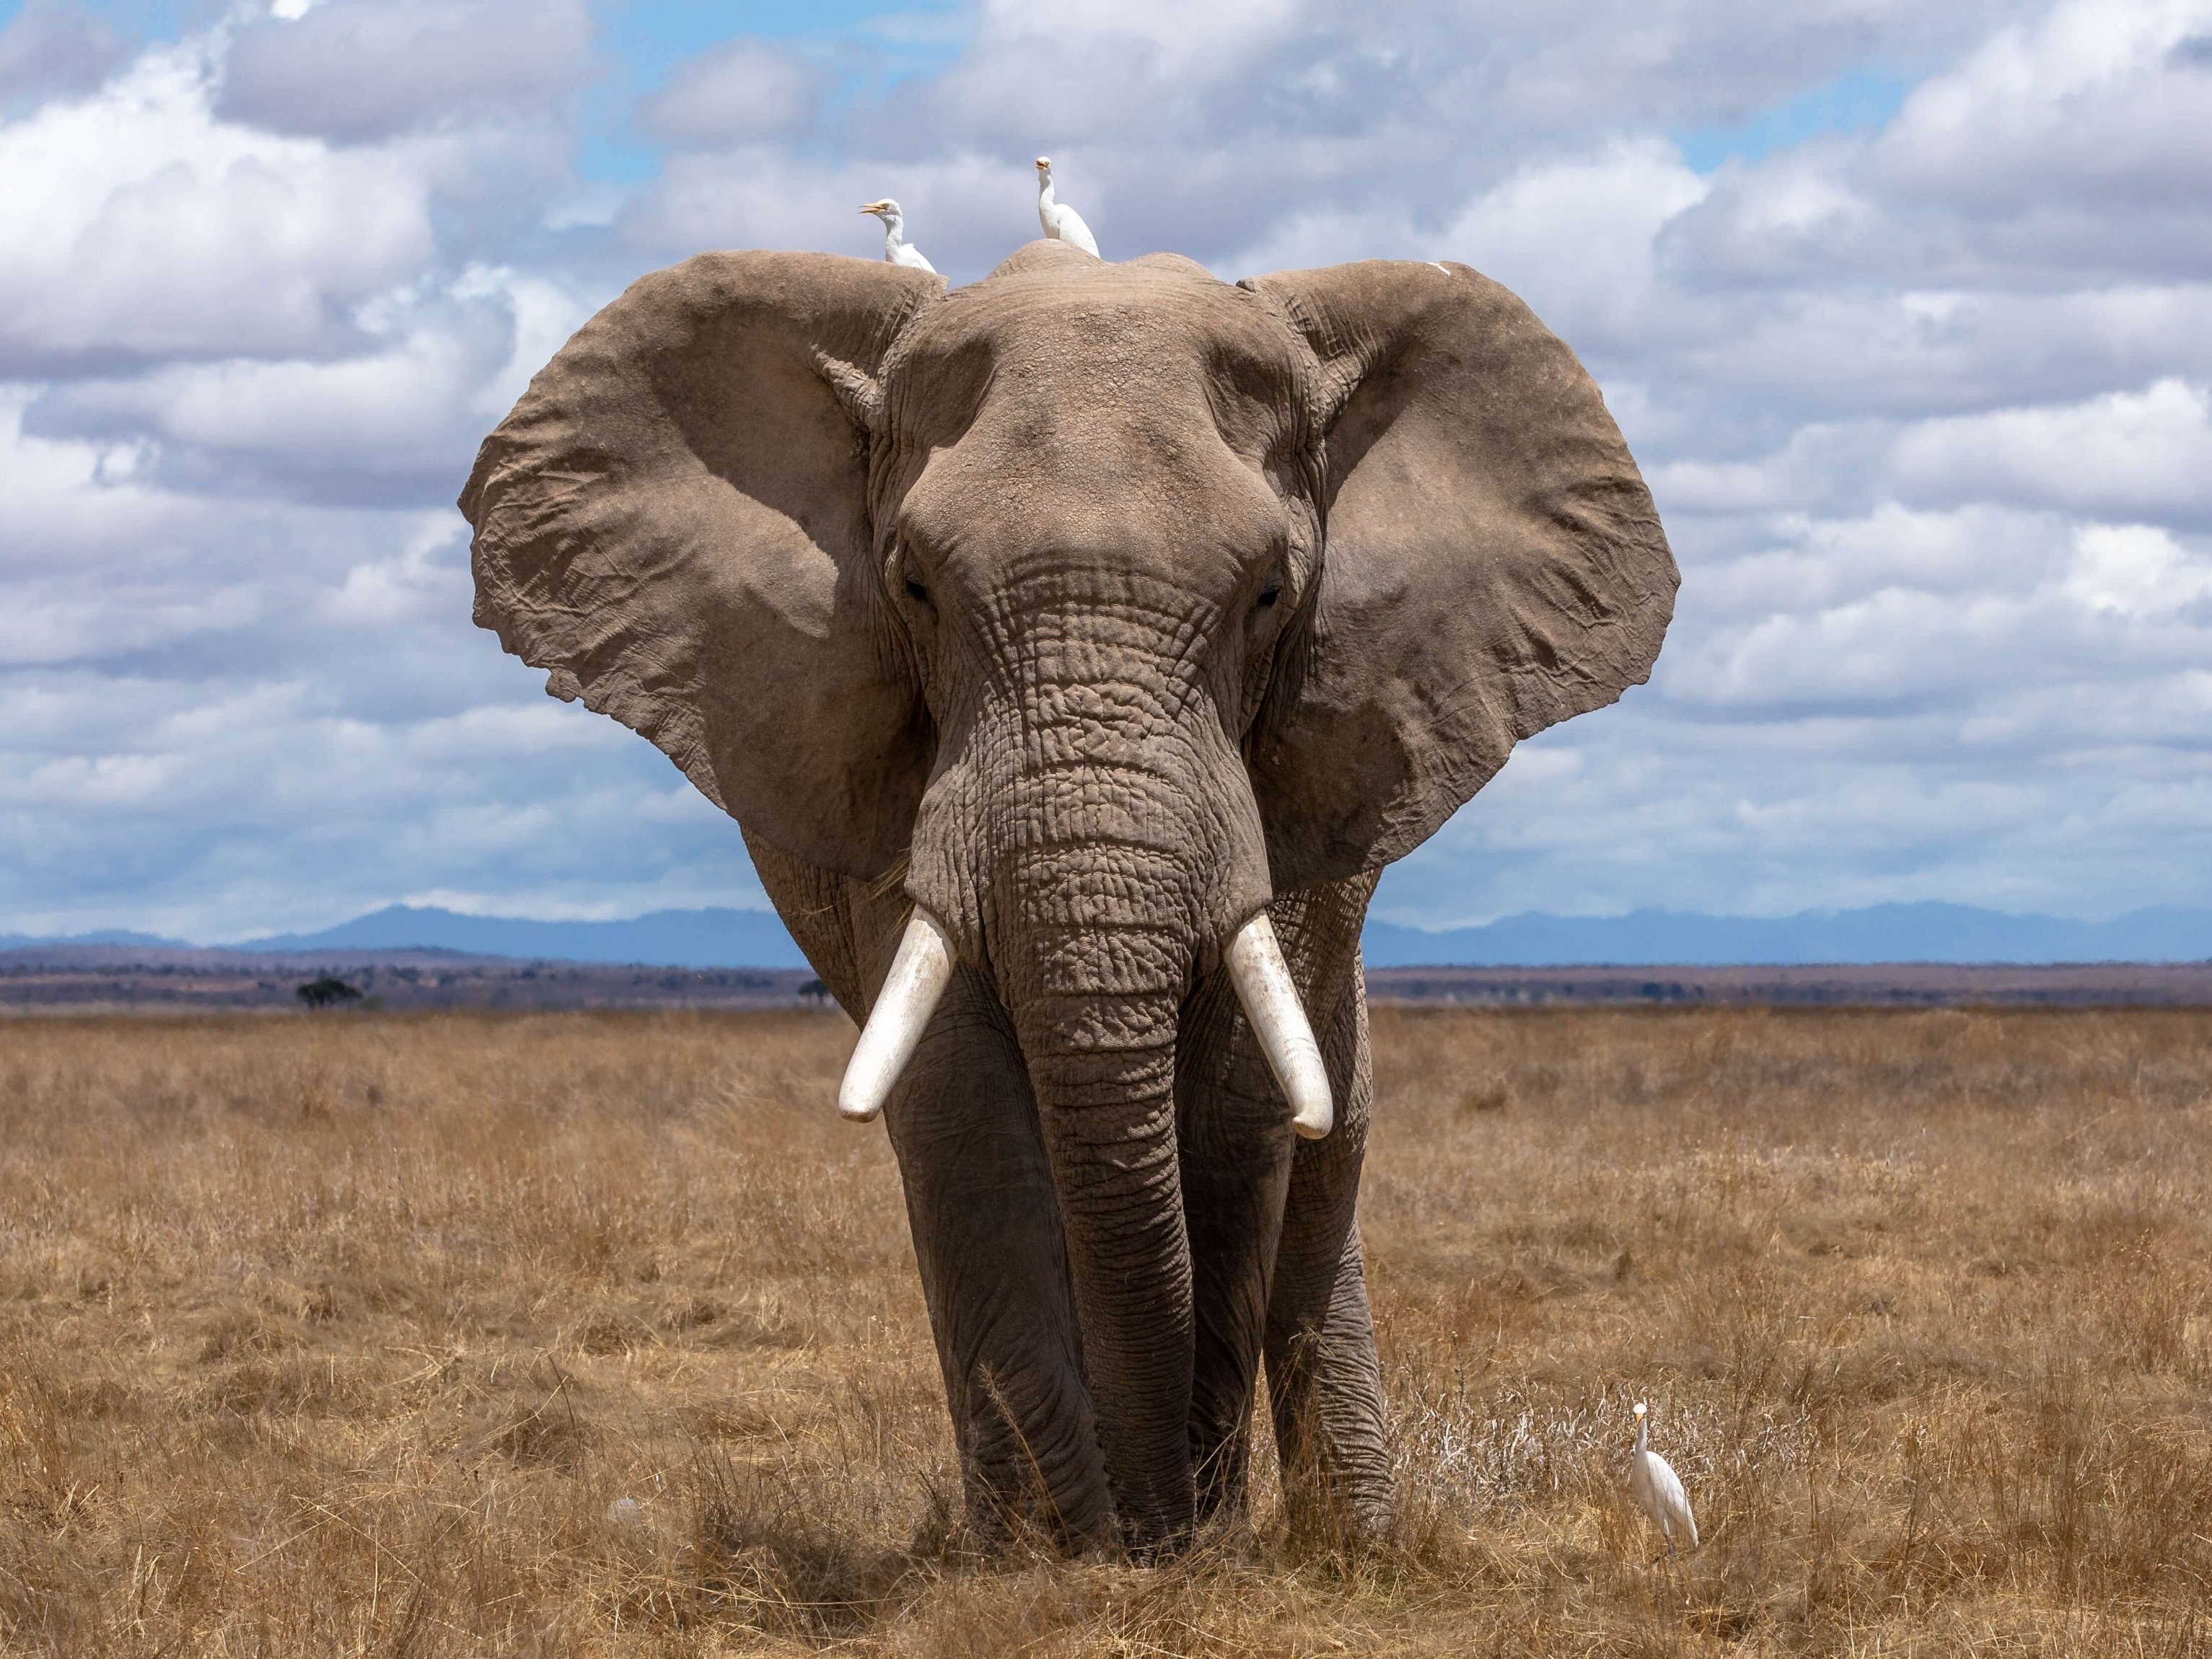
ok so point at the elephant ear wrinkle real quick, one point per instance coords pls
(673, 521)
(860, 392)
(1493, 562)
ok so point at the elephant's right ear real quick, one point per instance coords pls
(674, 520)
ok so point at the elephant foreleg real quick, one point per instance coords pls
(988, 1240)
(1324, 1379)
(1237, 1182)
(1236, 1168)
(987, 1230)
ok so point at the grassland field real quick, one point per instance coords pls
(552, 1335)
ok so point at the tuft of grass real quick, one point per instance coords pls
(598, 1334)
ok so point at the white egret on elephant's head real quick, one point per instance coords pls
(1061, 222)
(896, 249)
(1657, 1489)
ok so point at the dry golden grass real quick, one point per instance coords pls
(350, 1334)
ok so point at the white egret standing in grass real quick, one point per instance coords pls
(1061, 222)
(1657, 1489)
(895, 249)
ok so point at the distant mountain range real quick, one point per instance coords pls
(673, 939)
(1878, 933)
(664, 939)
(103, 936)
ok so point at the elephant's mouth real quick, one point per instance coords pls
(924, 964)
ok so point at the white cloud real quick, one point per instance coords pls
(2136, 570)
(1205, 41)
(743, 88)
(368, 410)
(416, 586)
(1803, 564)
(136, 223)
(392, 425)
(58, 622)
(2135, 453)
(2089, 97)
(1896, 645)
(50, 49)
(361, 70)
(2075, 140)
(1575, 238)
(2127, 451)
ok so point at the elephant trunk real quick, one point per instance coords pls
(1098, 1026)
(1095, 1010)
(1102, 884)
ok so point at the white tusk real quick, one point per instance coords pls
(1264, 986)
(919, 974)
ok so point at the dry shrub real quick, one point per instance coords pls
(587, 1334)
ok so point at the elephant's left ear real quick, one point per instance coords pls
(1493, 562)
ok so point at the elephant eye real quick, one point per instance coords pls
(916, 590)
(1270, 593)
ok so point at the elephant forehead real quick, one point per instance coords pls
(1102, 406)
(1048, 494)
(1097, 347)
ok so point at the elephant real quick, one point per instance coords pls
(1073, 648)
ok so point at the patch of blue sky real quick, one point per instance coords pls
(135, 20)
(652, 34)
(1858, 102)
(867, 44)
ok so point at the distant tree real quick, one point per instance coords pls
(814, 993)
(327, 992)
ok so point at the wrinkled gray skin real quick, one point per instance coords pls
(1092, 608)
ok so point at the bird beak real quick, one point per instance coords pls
(870, 206)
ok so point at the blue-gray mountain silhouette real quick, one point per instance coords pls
(675, 939)
(1881, 933)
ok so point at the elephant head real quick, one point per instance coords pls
(1098, 604)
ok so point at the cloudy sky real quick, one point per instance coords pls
(1906, 311)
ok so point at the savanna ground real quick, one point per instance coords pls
(599, 1334)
